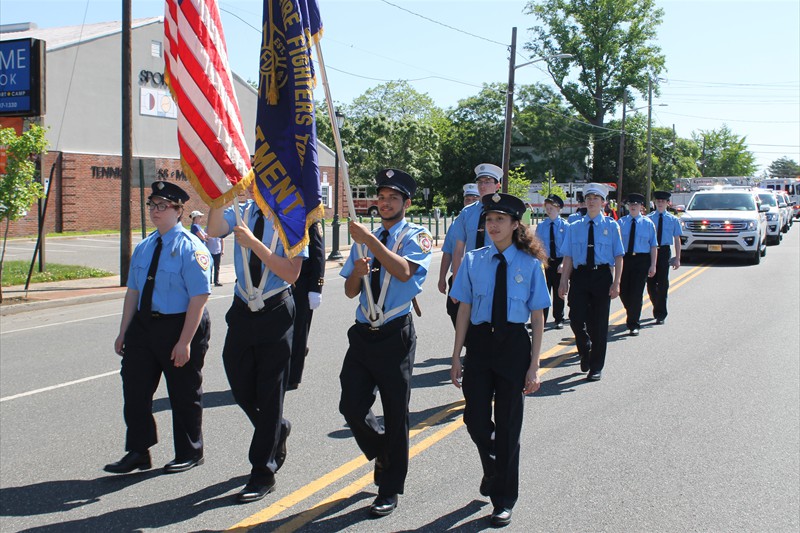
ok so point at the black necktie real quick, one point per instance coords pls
(375, 275)
(255, 262)
(481, 230)
(590, 248)
(632, 238)
(499, 299)
(660, 227)
(552, 240)
(146, 304)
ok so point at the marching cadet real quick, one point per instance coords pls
(551, 232)
(581, 211)
(639, 262)
(258, 344)
(470, 197)
(500, 287)
(307, 293)
(591, 274)
(164, 330)
(395, 257)
(668, 231)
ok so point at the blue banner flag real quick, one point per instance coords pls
(285, 164)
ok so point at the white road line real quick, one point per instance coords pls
(58, 323)
(60, 385)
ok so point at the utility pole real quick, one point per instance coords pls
(127, 148)
(621, 148)
(649, 139)
(509, 109)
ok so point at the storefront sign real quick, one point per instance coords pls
(22, 80)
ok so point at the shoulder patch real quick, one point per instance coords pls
(202, 259)
(425, 241)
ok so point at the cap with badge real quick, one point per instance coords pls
(662, 195)
(598, 189)
(489, 170)
(635, 198)
(396, 179)
(556, 200)
(471, 189)
(504, 203)
(169, 191)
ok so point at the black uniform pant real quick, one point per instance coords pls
(148, 347)
(452, 307)
(217, 261)
(631, 289)
(658, 285)
(302, 325)
(496, 368)
(256, 357)
(382, 358)
(589, 305)
(553, 281)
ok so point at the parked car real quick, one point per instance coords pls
(725, 220)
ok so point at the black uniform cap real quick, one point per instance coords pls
(555, 200)
(169, 191)
(397, 180)
(504, 203)
(662, 195)
(635, 198)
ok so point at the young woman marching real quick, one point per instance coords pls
(500, 287)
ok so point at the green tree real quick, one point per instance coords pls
(395, 100)
(611, 43)
(18, 186)
(723, 153)
(783, 168)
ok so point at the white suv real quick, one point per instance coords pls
(775, 216)
(725, 220)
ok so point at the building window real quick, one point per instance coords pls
(155, 48)
(326, 194)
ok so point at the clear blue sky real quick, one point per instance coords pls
(728, 62)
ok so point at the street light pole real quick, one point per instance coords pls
(621, 150)
(649, 139)
(335, 254)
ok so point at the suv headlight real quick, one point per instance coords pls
(751, 225)
(772, 217)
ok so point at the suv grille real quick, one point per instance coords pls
(717, 226)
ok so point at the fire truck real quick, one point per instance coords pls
(790, 185)
(365, 200)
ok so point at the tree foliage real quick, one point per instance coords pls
(611, 43)
(723, 153)
(783, 168)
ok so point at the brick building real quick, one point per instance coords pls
(83, 122)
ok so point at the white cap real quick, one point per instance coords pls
(471, 189)
(195, 214)
(488, 169)
(595, 188)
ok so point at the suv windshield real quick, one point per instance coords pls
(768, 198)
(722, 202)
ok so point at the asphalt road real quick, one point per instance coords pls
(694, 427)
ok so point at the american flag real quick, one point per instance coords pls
(212, 144)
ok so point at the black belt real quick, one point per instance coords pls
(155, 315)
(269, 304)
(486, 327)
(581, 268)
(395, 323)
(664, 247)
(630, 254)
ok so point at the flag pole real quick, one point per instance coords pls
(337, 140)
(239, 222)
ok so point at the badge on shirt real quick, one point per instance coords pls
(203, 259)
(425, 241)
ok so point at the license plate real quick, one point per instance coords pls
(714, 247)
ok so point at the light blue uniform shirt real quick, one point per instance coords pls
(645, 237)
(574, 217)
(416, 248)
(273, 280)
(607, 241)
(670, 229)
(525, 283)
(449, 243)
(184, 269)
(559, 232)
(465, 226)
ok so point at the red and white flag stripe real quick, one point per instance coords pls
(210, 134)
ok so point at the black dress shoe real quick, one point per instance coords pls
(595, 375)
(584, 360)
(383, 505)
(659, 321)
(486, 486)
(501, 516)
(129, 463)
(560, 324)
(217, 284)
(255, 490)
(280, 457)
(381, 463)
(634, 332)
(176, 466)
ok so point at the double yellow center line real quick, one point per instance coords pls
(452, 412)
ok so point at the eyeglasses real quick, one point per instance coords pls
(163, 206)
